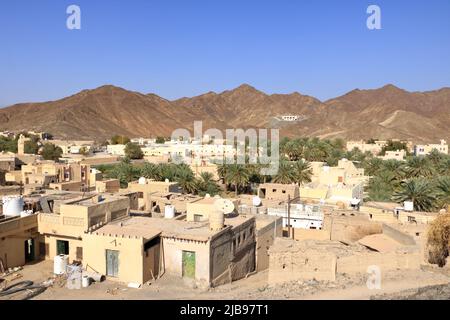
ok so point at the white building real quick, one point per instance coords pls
(423, 150)
(302, 216)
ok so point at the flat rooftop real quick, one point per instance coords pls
(148, 228)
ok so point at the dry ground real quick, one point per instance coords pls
(395, 284)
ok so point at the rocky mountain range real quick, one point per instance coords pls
(387, 112)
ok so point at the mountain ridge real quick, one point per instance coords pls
(99, 113)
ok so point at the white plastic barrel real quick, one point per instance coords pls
(60, 263)
(85, 281)
(169, 212)
(12, 206)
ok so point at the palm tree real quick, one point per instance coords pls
(285, 173)
(395, 166)
(222, 171)
(150, 171)
(419, 167)
(237, 175)
(419, 191)
(435, 157)
(207, 185)
(382, 186)
(293, 149)
(302, 172)
(443, 167)
(372, 166)
(186, 180)
(443, 187)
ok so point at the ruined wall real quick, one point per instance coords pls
(398, 236)
(310, 234)
(291, 261)
(351, 229)
(221, 256)
(358, 263)
(243, 263)
(264, 239)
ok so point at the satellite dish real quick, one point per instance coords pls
(207, 196)
(224, 205)
(256, 201)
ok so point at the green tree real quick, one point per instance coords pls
(51, 152)
(302, 172)
(31, 147)
(285, 174)
(160, 140)
(84, 151)
(117, 139)
(419, 167)
(151, 171)
(394, 146)
(237, 175)
(125, 172)
(207, 185)
(187, 181)
(419, 191)
(443, 192)
(133, 151)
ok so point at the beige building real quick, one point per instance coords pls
(45, 173)
(200, 210)
(73, 146)
(373, 148)
(19, 241)
(145, 187)
(107, 186)
(64, 227)
(398, 155)
(154, 246)
(21, 144)
(423, 150)
(116, 149)
(278, 191)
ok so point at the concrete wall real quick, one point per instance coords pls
(131, 256)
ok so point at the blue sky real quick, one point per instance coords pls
(188, 47)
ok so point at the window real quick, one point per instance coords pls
(62, 247)
(79, 254)
(274, 190)
(284, 191)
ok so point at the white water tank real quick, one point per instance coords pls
(60, 263)
(408, 206)
(142, 180)
(12, 206)
(85, 281)
(169, 212)
(216, 220)
(256, 201)
(26, 213)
